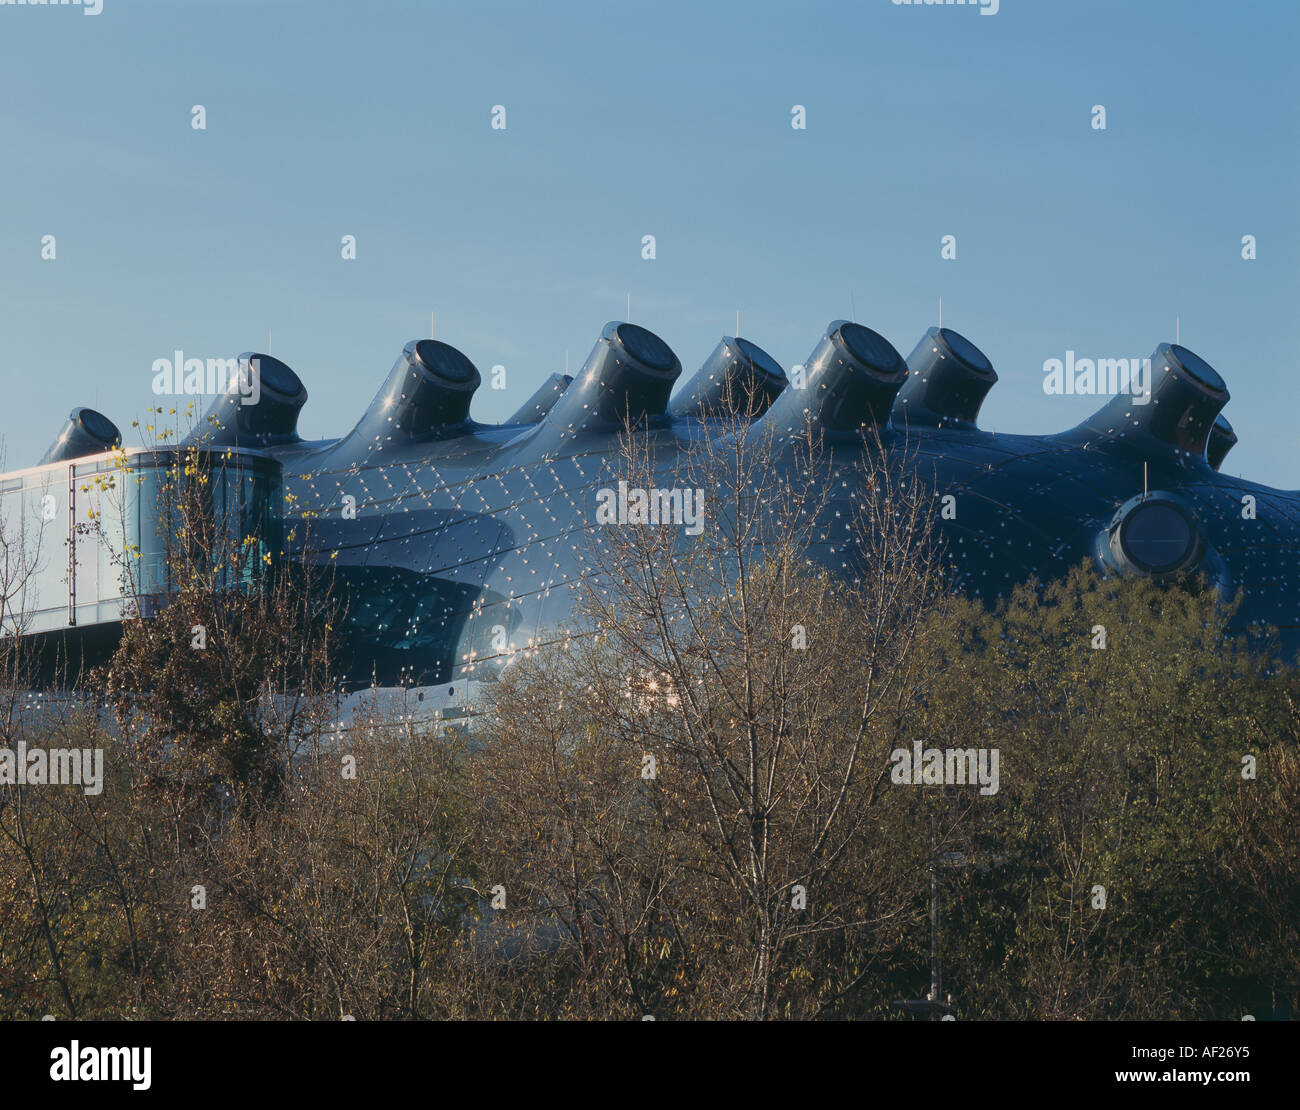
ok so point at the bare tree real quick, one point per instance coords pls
(698, 787)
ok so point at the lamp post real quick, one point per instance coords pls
(932, 1007)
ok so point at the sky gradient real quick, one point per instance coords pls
(667, 119)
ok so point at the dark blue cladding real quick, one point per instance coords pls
(459, 543)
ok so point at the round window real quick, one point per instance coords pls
(1157, 536)
(759, 358)
(646, 347)
(99, 426)
(443, 361)
(870, 348)
(966, 351)
(277, 375)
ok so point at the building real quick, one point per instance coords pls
(459, 543)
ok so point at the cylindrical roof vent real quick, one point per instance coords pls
(628, 376)
(426, 396)
(541, 402)
(1175, 404)
(849, 385)
(259, 407)
(948, 379)
(738, 379)
(87, 432)
(1222, 440)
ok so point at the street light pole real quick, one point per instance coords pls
(936, 974)
(932, 1005)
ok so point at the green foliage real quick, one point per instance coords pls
(1121, 768)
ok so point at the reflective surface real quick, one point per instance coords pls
(464, 546)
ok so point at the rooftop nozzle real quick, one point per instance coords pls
(541, 402)
(87, 432)
(849, 385)
(627, 377)
(258, 408)
(738, 379)
(948, 379)
(1222, 440)
(1174, 405)
(426, 396)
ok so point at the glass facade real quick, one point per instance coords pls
(82, 536)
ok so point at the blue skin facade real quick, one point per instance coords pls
(459, 544)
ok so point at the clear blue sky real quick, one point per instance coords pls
(627, 119)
